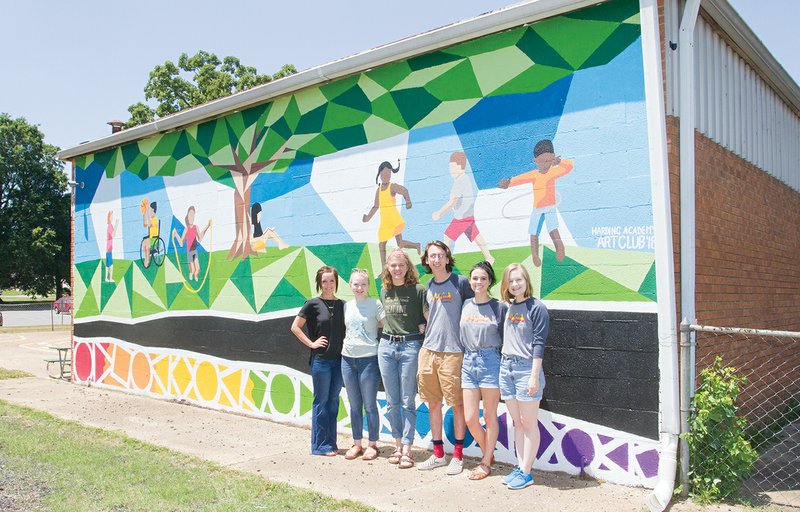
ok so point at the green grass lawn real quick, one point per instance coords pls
(55, 465)
(14, 296)
(13, 374)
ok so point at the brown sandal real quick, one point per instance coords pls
(371, 453)
(353, 452)
(481, 472)
(406, 462)
(395, 457)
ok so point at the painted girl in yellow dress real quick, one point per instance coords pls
(392, 224)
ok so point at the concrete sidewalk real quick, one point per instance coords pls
(281, 452)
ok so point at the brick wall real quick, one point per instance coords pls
(747, 236)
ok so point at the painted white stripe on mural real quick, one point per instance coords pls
(563, 305)
(617, 307)
(284, 313)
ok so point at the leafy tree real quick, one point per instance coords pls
(210, 79)
(34, 211)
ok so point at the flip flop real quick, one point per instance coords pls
(353, 452)
(406, 462)
(481, 472)
(395, 457)
(371, 453)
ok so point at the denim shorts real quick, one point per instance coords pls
(481, 369)
(515, 372)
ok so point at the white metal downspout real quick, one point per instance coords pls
(687, 169)
(669, 407)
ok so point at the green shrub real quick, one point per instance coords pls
(720, 456)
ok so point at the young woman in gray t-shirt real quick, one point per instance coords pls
(521, 376)
(482, 336)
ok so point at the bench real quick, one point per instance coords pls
(64, 361)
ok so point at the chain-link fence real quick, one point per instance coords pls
(743, 414)
(36, 313)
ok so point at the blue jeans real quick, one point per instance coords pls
(360, 375)
(398, 363)
(515, 371)
(326, 376)
(481, 369)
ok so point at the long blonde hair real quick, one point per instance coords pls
(411, 277)
(506, 295)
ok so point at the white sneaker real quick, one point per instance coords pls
(432, 462)
(455, 467)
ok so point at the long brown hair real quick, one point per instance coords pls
(411, 277)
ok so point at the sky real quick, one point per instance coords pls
(70, 67)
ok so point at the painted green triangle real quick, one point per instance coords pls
(340, 116)
(628, 268)
(172, 292)
(231, 299)
(574, 39)
(342, 257)
(242, 278)
(594, 286)
(533, 79)
(390, 75)
(88, 305)
(354, 98)
(297, 275)
(487, 44)
(333, 89)
(128, 278)
(143, 287)
(284, 296)
(259, 391)
(458, 83)
(343, 412)
(648, 286)
(306, 399)
(539, 51)
(555, 273)
(614, 44)
(222, 268)
(86, 270)
(267, 278)
(187, 300)
(414, 103)
(347, 137)
(106, 290)
(118, 304)
(618, 10)
(140, 306)
(428, 60)
(269, 256)
(385, 107)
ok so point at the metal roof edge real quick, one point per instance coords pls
(484, 24)
(753, 49)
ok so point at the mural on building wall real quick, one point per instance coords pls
(528, 146)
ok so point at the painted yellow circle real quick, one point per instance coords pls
(207, 381)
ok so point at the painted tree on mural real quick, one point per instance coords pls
(383, 102)
(237, 148)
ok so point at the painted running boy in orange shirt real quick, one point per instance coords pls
(550, 167)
